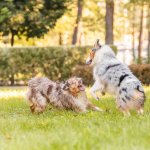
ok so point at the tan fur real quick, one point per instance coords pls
(137, 94)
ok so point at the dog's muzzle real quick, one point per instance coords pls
(88, 61)
(82, 88)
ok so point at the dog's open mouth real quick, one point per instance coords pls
(88, 61)
(81, 88)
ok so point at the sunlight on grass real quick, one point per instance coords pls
(7, 92)
(54, 129)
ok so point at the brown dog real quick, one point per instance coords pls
(70, 95)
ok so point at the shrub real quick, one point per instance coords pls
(57, 63)
(142, 72)
(85, 72)
(18, 65)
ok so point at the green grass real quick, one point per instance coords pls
(66, 130)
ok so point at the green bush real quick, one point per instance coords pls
(85, 72)
(18, 65)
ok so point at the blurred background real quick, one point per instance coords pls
(53, 37)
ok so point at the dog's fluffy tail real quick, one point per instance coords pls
(131, 97)
(138, 98)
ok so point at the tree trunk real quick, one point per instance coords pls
(79, 15)
(133, 35)
(140, 35)
(148, 48)
(80, 40)
(12, 39)
(148, 26)
(133, 48)
(12, 80)
(109, 21)
(60, 38)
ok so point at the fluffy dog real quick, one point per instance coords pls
(116, 78)
(70, 95)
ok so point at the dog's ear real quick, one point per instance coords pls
(66, 86)
(97, 45)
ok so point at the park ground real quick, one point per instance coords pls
(67, 130)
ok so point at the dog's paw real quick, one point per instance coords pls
(99, 109)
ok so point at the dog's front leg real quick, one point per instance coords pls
(95, 88)
(93, 107)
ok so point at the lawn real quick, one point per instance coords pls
(66, 130)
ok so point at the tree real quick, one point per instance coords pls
(141, 4)
(148, 28)
(31, 18)
(133, 25)
(109, 21)
(148, 48)
(78, 19)
(133, 33)
(140, 34)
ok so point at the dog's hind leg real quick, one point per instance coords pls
(94, 89)
(41, 102)
(32, 108)
(29, 97)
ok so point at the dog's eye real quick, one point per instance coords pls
(80, 82)
(93, 49)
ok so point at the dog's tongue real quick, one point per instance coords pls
(82, 88)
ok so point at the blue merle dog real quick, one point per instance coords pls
(114, 77)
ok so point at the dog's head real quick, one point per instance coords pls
(96, 47)
(74, 86)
